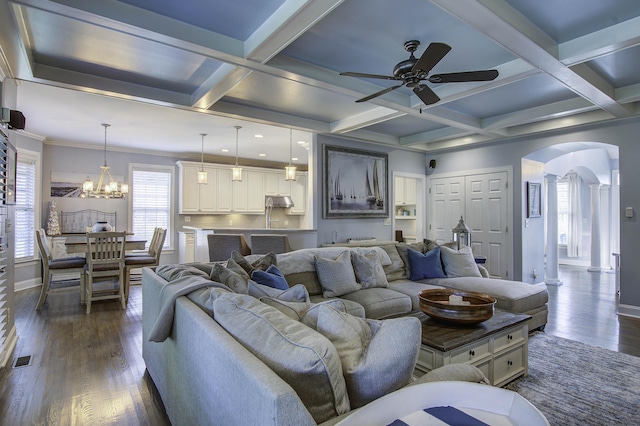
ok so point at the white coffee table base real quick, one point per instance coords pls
(492, 405)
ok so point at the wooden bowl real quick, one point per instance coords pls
(435, 303)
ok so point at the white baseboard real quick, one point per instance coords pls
(24, 285)
(629, 311)
(12, 339)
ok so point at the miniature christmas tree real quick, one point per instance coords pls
(53, 225)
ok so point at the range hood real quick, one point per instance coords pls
(278, 201)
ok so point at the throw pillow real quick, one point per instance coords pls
(459, 263)
(234, 267)
(305, 312)
(336, 275)
(296, 293)
(403, 249)
(378, 356)
(427, 265)
(236, 282)
(262, 263)
(272, 277)
(302, 357)
(368, 269)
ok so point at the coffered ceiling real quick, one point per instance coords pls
(164, 71)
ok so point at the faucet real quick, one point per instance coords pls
(268, 211)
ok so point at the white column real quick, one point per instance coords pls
(551, 269)
(596, 257)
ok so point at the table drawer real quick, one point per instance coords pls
(509, 338)
(508, 365)
(427, 358)
(470, 353)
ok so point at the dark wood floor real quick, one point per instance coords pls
(88, 369)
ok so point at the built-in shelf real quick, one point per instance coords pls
(405, 218)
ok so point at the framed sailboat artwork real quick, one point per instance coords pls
(355, 183)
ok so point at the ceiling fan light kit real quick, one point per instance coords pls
(413, 71)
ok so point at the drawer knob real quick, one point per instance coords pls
(472, 353)
(509, 363)
(509, 337)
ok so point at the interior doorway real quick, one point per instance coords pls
(409, 207)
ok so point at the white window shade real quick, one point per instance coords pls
(25, 209)
(151, 203)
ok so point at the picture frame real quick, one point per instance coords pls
(534, 199)
(355, 183)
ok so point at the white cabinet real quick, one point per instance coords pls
(405, 191)
(196, 197)
(299, 194)
(276, 184)
(224, 191)
(248, 194)
(186, 247)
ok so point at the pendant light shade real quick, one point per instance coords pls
(290, 170)
(236, 172)
(202, 174)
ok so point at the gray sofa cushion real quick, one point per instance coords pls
(297, 293)
(380, 303)
(396, 270)
(172, 272)
(369, 270)
(378, 357)
(411, 289)
(513, 296)
(336, 275)
(302, 357)
(353, 308)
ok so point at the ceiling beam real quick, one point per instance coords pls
(499, 21)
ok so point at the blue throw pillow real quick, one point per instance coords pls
(272, 277)
(425, 265)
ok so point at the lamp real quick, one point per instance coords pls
(461, 234)
(105, 189)
(290, 170)
(236, 172)
(202, 175)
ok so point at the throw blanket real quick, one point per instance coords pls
(168, 295)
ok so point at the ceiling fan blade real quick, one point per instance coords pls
(431, 56)
(460, 77)
(363, 75)
(382, 92)
(425, 94)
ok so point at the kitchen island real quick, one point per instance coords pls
(298, 238)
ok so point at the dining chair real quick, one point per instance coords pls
(105, 259)
(267, 243)
(149, 258)
(221, 246)
(50, 266)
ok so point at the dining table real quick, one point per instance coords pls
(78, 244)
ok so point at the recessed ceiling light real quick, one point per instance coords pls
(258, 136)
(224, 150)
(262, 155)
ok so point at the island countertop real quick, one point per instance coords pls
(298, 238)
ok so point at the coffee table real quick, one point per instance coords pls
(487, 404)
(497, 346)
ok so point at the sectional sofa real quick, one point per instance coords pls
(224, 349)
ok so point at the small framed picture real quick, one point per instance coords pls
(533, 199)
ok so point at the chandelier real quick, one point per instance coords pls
(105, 189)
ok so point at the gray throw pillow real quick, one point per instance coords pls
(368, 269)
(302, 357)
(378, 356)
(297, 293)
(336, 275)
(262, 263)
(236, 282)
(459, 263)
(305, 312)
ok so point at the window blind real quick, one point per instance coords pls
(151, 203)
(25, 210)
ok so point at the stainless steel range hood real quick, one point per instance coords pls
(278, 201)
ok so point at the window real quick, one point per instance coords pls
(563, 211)
(26, 191)
(151, 201)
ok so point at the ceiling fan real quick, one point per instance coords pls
(413, 71)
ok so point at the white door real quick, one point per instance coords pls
(482, 200)
(447, 205)
(486, 215)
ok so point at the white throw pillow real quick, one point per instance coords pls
(459, 263)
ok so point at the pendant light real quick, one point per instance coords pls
(105, 189)
(202, 175)
(290, 170)
(236, 172)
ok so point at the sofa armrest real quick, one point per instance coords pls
(453, 372)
